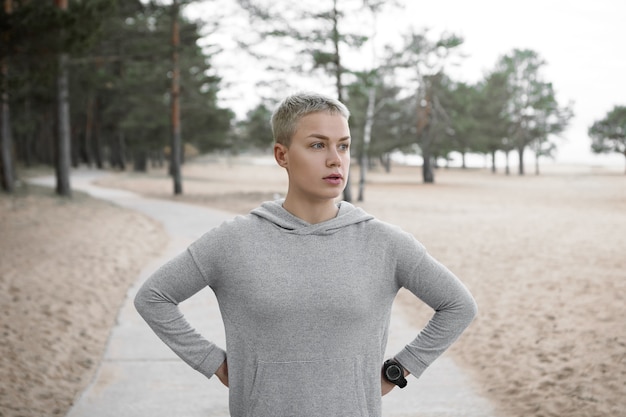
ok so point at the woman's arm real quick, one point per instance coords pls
(454, 307)
(157, 302)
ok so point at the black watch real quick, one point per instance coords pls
(394, 373)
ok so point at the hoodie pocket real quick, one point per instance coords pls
(328, 388)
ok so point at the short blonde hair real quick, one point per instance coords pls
(293, 108)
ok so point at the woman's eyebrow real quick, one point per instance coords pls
(323, 137)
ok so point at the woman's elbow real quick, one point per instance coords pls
(470, 308)
(142, 301)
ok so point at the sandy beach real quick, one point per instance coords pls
(65, 268)
(543, 256)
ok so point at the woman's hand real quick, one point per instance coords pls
(385, 386)
(222, 373)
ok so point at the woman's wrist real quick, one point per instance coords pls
(222, 373)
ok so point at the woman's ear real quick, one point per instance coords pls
(280, 154)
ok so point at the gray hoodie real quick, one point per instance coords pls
(306, 309)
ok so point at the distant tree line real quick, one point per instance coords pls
(94, 82)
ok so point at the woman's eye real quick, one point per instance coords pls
(317, 145)
(344, 147)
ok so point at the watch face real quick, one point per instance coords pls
(393, 372)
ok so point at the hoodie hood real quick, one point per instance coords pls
(274, 212)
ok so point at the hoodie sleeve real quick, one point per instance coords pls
(454, 306)
(157, 302)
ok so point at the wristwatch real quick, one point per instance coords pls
(394, 373)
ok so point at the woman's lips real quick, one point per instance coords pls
(334, 179)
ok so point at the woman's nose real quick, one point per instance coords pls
(333, 158)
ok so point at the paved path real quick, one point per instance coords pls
(140, 376)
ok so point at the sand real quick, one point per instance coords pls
(543, 256)
(65, 268)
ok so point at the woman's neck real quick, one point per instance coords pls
(311, 212)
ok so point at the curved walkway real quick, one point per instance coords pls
(140, 376)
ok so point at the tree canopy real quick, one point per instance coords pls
(608, 134)
(119, 66)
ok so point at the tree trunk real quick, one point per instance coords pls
(520, 152)
(367, 136)
(427, 169)
(338, 68)
(97, 137)
(536, 164)
(75, 147)
(427, 165)
(428, 175)
(121, 150)
(507, 170)
(63, 156)
(175, 153)
(111, 146)
(47, 147)
(117, 157)
(140, 161)
(63, 108)
(6, 145)
(88, 142)
(29, 136)
(385, 160)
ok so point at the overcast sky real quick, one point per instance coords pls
(582, 43)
